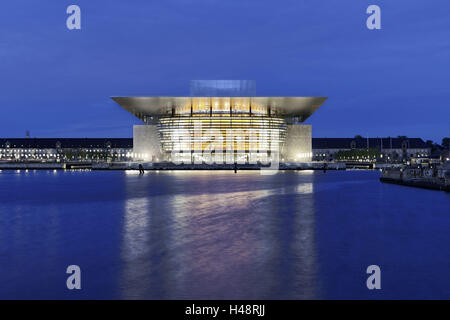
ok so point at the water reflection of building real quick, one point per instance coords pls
(293, 240)
(253, 240)
(135, 246)
(147, 218)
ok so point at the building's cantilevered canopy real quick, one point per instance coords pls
(143, 107)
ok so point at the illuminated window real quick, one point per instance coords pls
(241, 105)
(220, 106)
(201, 105)
(258, 109)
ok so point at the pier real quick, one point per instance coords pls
(115, 165)
(237, 166)
(436, 178)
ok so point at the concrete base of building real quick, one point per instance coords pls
(146, 143)
(298, 144)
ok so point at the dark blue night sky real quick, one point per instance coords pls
(57, 83)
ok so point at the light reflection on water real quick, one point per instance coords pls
(221, 244)
(216, 234)
(135, 240)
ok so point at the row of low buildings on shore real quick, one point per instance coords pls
(388, 149)
(385, 150)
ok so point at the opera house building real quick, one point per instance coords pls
(213, 128)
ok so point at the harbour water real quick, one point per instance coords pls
(220, 235)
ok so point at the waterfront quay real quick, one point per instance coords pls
(167, 166)
(434, 177)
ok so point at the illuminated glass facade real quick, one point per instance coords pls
(211, 127)
(247, 138)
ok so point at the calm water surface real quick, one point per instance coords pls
(216, 234)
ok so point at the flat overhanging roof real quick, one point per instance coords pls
(142, 107)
